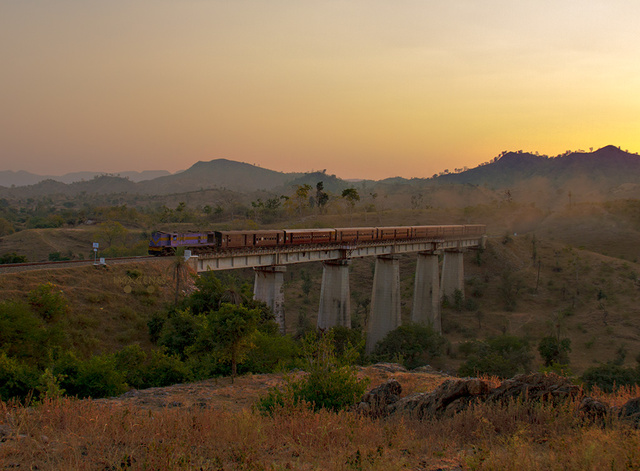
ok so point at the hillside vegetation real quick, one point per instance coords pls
(555, 289)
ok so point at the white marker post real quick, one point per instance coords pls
(96, 245)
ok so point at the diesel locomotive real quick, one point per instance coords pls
(166, 243)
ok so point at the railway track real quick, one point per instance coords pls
(21, 267)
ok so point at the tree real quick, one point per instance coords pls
(112, 232)
(503, 356)
(351, 196)
(553, 350)
(207, 295)
(232, 328)
(301, 196)
(414, 344)
(6, 227)
(321, 196)
(179, 271)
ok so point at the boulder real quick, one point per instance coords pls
(535, 387)
(455, 395)
(450, 397)
(376, 401)
(592, 409)
(630, 412)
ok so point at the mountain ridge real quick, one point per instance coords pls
(603, 171)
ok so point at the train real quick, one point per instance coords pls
(166, 243)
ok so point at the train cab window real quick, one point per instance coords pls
(175, 236)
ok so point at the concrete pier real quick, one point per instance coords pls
(267, 287)
(335, 296)
(385, 300)
(452, 273)
(426, 292)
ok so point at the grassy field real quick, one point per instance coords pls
(212, 426)
(109, 307)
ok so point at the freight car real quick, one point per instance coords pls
(165, 243)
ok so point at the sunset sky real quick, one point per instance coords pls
(363, 88)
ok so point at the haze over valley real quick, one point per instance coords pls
(320, 235)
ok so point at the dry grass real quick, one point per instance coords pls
(74, 434)
(104, 315)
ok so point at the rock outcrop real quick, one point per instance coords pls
(630, 412)
(455, 395)
(535, 387)
(377, 401)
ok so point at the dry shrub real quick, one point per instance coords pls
(531, 436)
(618, 397)
(74, 434)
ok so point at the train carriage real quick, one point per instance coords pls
(394, 233)
(450, 232)
(309, 236)
(248, 239)
(356, 234)
(270, 238)
(427, 232)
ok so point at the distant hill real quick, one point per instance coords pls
(604, 168)
(606, 174)
(219, 173)
(131, 175)
(20, 178)
(9, 178)
(103, 184)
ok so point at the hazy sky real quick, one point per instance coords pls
(363, 88)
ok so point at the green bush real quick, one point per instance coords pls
(17, 380)
(24, 336)
(96, 377)
(48, 302)
(99, 378)
(180, 331)
(12, 257)
(141, 370)
(412, 344)
(346, 339)
(503, 356)
(164, 370)
(131, 362)
(609, 376)
(49, 385)
(330, 383)
(554, 350)
(270, 353)
(155, 326)
(58, 257)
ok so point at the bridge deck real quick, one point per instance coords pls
(252, 258)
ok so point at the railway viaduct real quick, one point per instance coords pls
(335, 307)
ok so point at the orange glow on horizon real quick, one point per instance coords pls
(364, 90)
